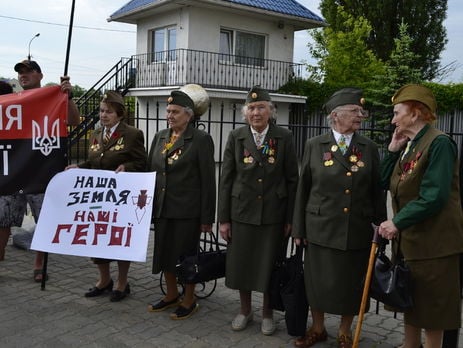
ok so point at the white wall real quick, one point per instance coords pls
(199, 29)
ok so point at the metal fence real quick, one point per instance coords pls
(302, 124)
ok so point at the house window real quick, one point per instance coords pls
(164, 43)
(241, 47)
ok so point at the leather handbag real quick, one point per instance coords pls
(207, 264)
(287, 291)
(391, 283)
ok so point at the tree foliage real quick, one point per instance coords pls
(399, 70)
(425, 26)
(343, 56)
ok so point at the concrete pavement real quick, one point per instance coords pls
(60, 316)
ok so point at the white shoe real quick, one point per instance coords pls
(268, 326)
(241, 321)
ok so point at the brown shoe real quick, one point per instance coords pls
(311, 338)
(345, 341)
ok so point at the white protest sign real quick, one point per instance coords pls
(96, 213)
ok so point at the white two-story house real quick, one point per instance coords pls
(226, 46)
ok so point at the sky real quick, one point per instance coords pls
(97, 44)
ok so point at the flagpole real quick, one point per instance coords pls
(66, 64)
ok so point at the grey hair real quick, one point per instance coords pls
(190, 112)
(273, 111)
(329, 117)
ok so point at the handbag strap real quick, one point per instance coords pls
(212, 241)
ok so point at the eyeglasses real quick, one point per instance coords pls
(356, 111)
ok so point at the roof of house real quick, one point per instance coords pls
(281, 7)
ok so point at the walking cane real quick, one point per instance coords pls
(366, 287)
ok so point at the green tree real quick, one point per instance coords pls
(343, 56)
(425, 26)
(399, 70)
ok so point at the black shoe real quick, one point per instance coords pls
(183, 312)
(162, 305)
(95, 291)
(117, 295)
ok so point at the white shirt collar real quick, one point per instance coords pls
(348, 137)
(264, 132)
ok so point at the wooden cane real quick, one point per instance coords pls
(366, 287)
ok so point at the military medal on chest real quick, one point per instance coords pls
(328, 158)
(95, 146)
(356, 159)
(269, 150)
(247, 158)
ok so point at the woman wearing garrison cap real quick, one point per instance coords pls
(120, 147)
(421, 172)
(184, 206)
(256, 198)
(338, 198)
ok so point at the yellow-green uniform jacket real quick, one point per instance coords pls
(425, 194)
(339, 197)
(126, 146)
(258, 187)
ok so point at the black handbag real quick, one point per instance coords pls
(391, 283)
(287, 291)
(208, 263)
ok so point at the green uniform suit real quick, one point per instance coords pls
(256, 194)
(184, 195)
(124, 147)
(337, 200)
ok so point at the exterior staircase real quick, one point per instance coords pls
(120, 78)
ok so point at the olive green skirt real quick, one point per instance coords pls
(174, 238)
(436, 294)
(251, 255)
(334, 278)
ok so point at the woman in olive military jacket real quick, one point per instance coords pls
(256, 197)
(184, 205)
(120, 147)
(338, 198)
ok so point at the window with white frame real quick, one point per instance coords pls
(242, 47)
(163, 44)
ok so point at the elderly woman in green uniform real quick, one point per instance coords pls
(338, 198)
(256, 198)
(421, 172)
(184, 206)
(120, 147)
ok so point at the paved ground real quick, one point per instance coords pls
(60, 316)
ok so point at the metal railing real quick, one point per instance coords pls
(119, 78)
(212, 70)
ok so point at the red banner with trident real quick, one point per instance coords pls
(33, 139)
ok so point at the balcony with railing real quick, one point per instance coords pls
(211, 70)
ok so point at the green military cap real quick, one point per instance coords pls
(418, 93)
(257, 94)
(181, 99)
(113, 97)
(345, 96)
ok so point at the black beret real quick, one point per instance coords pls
(181, 99)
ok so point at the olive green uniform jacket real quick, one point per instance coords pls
(339, 197)
(258, 187)
(185, 179)
(126, 147)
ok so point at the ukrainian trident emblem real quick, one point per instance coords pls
(44, 140)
